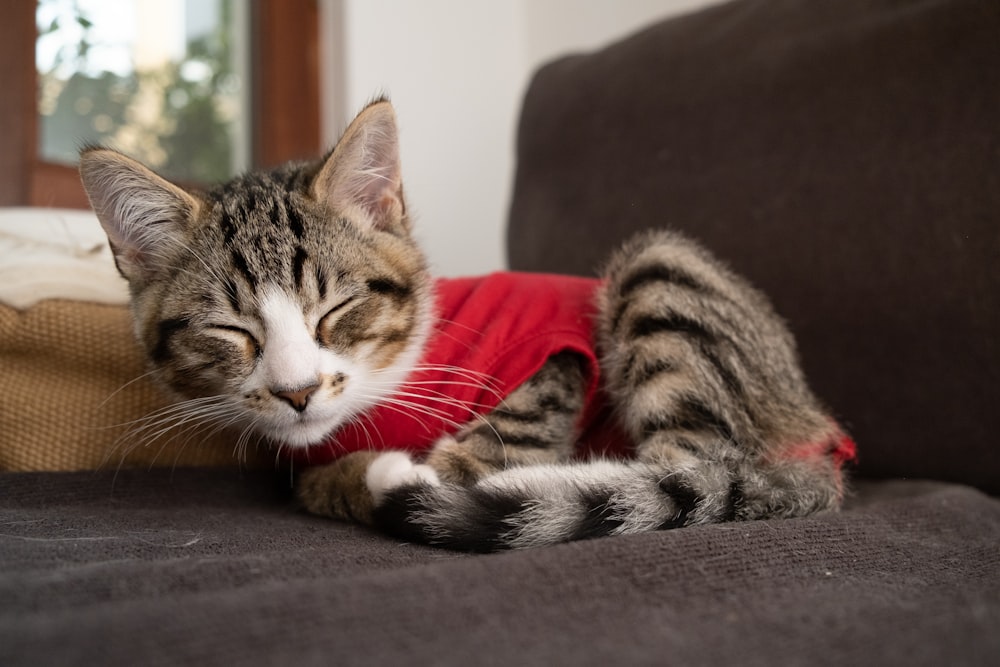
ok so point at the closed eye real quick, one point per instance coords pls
(338, 308)
(237, 335)
(329, 320)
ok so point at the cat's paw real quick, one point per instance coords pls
(338, 489)
(391, 470)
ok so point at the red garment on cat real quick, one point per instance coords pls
(493, 333)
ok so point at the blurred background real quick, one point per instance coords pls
(203, 89)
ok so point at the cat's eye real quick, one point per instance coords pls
(337, 309)
(327, 322)
(238, 336)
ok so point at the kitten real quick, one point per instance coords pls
(468, 413)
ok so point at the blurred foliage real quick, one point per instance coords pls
(176, 117)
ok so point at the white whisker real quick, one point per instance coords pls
(177, 425)
(487, 382)
(125, 386)
(444, 399)
(413, 410)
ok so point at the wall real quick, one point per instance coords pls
(456, 71)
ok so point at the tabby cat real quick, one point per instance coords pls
(295, 304)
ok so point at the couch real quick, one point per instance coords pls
(846, 157)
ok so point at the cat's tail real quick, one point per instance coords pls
(541, 505)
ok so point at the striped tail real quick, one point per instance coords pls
(531, 506)
(542, 505)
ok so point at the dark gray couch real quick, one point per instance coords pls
(846, 156)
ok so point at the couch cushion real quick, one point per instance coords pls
(845, 156)
(204, 567)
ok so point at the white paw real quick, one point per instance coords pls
(394, 469)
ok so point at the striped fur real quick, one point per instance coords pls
(287, 303)
(705, 380)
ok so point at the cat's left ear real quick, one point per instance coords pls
(362, 177)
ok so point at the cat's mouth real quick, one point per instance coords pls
(284, 425)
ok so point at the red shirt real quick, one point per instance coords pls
(492, 333)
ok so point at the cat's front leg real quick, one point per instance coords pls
(534, 425)
(351, 487)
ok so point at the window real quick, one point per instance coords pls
(231, 85)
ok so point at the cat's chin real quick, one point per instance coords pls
(302, 435)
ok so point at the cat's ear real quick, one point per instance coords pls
(143, 215)
(362, 177)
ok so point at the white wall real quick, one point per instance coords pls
(456, 71)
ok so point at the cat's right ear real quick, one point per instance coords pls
(143, 215)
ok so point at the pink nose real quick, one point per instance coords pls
(297, 398)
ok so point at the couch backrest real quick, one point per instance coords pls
(845, 156)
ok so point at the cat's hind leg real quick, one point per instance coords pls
(706, 381)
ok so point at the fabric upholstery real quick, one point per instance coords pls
(214, 567)
(845, 156)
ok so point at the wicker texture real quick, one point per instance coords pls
(75, 396)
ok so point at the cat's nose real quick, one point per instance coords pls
(297, 398)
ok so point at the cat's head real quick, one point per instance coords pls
(287, 302)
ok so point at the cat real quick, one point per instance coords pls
(510, 411)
